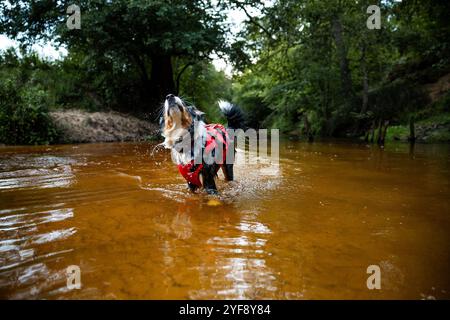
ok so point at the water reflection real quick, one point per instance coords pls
(306, 228)
(18, 172)
(31, 222)
(23, 264)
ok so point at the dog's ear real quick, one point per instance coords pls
(200, 115)
(196, 114)
(186, 118)
(168, 123)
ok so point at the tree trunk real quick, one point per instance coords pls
(365, 96)
(367, 135)
(178, 81)
(308, 128)
(412, 130)
(161, 80)
(145, 94)
(383, 134)
(372, 131)
(346, 78)
(380, 130)
(361, 123)
(142, 68)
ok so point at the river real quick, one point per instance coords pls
(307, 228)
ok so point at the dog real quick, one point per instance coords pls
(193, 142)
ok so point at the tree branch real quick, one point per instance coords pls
(177, 88)
(252, 19)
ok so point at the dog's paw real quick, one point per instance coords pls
(212, 191)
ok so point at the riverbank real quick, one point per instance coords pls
(435, 129)
(78, 126)
(81, 126)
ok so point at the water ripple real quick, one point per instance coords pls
(24, 220)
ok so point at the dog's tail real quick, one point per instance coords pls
(234, 115)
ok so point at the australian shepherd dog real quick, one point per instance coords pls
(200, 149)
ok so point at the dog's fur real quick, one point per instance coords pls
(178, 120)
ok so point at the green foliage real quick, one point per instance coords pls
(249, 93)
(124, 48)
(395, 100)
(301, 66)
(76, 82)
(24, 117)
(202, 85)
(299, 71)
(438, 107)
(432, 129)
(399, 132)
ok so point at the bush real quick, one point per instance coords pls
(24, 117)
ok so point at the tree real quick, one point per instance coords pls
(131, 35)
(317, 63)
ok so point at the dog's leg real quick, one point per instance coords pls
(208, 173)
(228, 172)
(192, 187)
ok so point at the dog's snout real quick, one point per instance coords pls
(171, 101)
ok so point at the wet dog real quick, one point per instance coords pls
(199, 149)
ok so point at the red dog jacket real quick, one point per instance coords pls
(191, 171)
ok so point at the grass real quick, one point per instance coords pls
(442, 118)
(430, 124)
(397, 133)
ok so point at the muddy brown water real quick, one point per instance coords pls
(306, 229)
